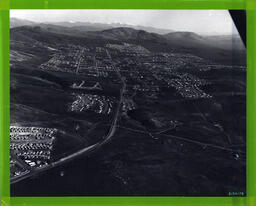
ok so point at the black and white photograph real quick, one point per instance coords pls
(127, 103)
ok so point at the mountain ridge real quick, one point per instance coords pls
(220, 49)
(15, 22)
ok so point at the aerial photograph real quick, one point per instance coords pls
(127, 103)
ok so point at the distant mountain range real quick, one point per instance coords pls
(14, 22)
(227, 49)
(87, 26)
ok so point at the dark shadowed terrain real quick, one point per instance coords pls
(163, 112)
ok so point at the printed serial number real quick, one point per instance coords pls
(240, 193)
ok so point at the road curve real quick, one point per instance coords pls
(86, 150)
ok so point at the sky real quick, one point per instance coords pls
(207, 22)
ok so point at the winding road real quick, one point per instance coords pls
(88, 149)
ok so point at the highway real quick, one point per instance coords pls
(79, 60)
(88, 149)
(110, 133)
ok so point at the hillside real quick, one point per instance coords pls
(15, 22)
(222, 49)
(88, 26)
(227, 42)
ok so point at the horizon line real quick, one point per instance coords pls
(171, 30)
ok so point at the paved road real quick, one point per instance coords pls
(79, 61)
(91, 148)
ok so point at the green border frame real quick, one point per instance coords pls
(6, 5)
